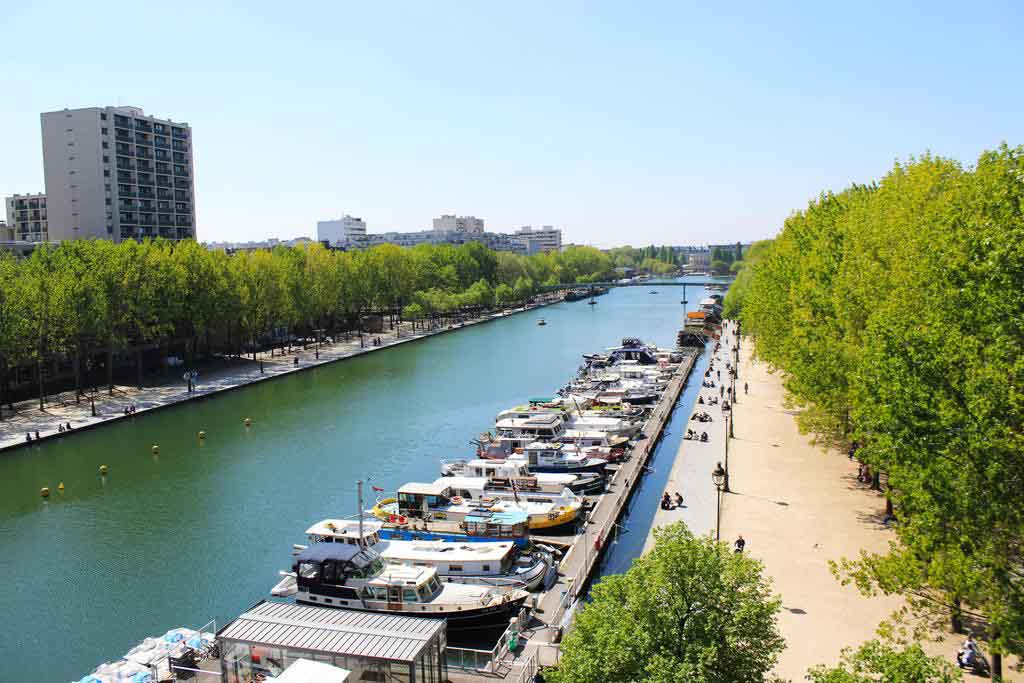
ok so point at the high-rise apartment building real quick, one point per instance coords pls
(470, 224)
(116, 173)
(533, 240)
(27, 217)
(347, 231)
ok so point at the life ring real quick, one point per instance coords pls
(392, 518)
(402, 521)
(457, 500)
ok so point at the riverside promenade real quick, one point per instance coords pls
(695, 460)
(61, 409)
(799, 506)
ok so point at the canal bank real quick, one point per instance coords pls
(200, 530)
(30, 426)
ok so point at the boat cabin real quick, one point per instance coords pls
(401, 584)
(325, 568)
(344, 531)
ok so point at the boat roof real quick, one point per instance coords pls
(400, 573)
(435, 488)
(544, 445)
(343, 527)
(541, 419)
(477, 483)
(504, 518)
(540, 399)
(446, 551)
(334, 630)
(345, 552)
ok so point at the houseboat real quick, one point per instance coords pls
(510, 474)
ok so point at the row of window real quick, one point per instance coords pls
(144, 125)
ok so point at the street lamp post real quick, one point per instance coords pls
(718, 476)
(317, 352)
(725, 485)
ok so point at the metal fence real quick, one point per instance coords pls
(471, 659)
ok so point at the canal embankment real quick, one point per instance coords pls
(28, 425)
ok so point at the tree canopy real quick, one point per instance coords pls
(894, 311)
(690, 610)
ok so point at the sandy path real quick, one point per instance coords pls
(799, 506)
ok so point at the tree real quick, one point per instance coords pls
(690, 610)
(719, 267)
(876, 662)
(523, 288)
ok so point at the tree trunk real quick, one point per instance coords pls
(956, 623)
(110, 368)
(138, 366)
(997, 659)
(39, 375)
(78, 374)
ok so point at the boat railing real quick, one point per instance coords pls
(471, 659)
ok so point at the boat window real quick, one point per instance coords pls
(329, 572)
(435, 585)
(375, 593)
(455, 567)
(487, 567)
(424, 592)
(308, 570)
(409, 595)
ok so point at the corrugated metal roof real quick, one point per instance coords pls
(337, 631)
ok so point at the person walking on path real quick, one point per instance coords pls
(746, 388)
(740, 544)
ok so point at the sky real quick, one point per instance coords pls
(621, 123)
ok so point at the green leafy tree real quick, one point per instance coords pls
(690, 610)
(877, 662)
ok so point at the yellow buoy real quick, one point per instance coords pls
(103, 469)
(44, 492)
(202, 435)
(156, 448)
(60, 486)
(248, 422)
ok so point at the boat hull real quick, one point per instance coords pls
(465, 621)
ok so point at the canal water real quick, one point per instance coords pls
(199, 531)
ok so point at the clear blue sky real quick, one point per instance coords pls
(620, 122)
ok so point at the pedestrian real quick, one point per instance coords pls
(721, 390)
(746, 388)
(740, 544)
(68, 428)
(60, 428)
(679, 499)
(37, 436)
(296, 361)
(718, 374)
(28, 437)
(666, 501)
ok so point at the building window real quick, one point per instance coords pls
(103, 131)
(103, 117)
(106, 145)
(106, 159)
(106, 173)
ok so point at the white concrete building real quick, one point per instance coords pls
(27, 218)
(451, 223)
(115, 173)
(532, 240)
(347, 231)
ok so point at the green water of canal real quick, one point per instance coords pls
(199, 531)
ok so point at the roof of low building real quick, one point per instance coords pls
(336, 631)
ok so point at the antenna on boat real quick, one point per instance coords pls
(359, 488)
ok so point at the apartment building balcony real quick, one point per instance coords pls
(163, 193)
(143, 153)
(145, 205)
(180, 158)
(127, 217)
(161, 142)
(122, 121)
(160, 128)
(162, 155)
(21, 204)
(33, 203)
(163, 182)
(181, 183)
(23, 215)
(162, 167)
(122, 135)
(147, 193)
(127, 205)
(125, 177)
(179, 133)
(181, 171)
(143, 125)
(182, 207)
(143, 139)
(125, 164)
(145, 219)
(183, 221)
(123, 148)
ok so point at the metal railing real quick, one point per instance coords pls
(471, 659)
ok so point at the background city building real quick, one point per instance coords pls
(347, 231)
(466, 224)
(532, 240)
(116, 173)
(26, 218)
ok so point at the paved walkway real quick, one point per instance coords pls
(695, 460)
(62, 409)
(798, 507)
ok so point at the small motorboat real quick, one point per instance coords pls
(542, 322)
(592, 302)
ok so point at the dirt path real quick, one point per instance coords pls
(799, 506)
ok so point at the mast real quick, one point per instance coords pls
(359, 488)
